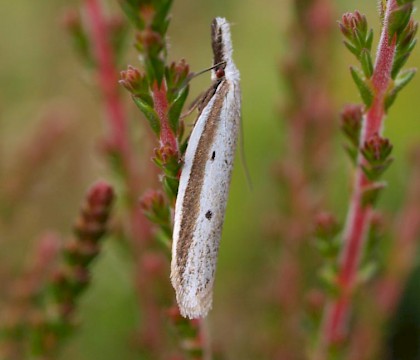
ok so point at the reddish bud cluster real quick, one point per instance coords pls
(351, 122)
(134, 81)
(352, 114)
(147, 13)
(71, 20)
(350, 22)
(166, 155)
(115, 24)
(90, 225)
(376, 148)
(73, 275)
(315, 300)
(178, 72)
(152, 199)
(149, 41)
(156, 208)
(376, 152)
(326, 225)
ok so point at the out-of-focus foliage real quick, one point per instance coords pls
(40, 77)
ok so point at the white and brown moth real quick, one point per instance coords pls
(205, 180)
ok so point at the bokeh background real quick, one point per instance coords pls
(41, 77)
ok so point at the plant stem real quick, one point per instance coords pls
(358, 216)
(119, 138)
(108, 77)
(119, 144)
(308, 113)
(196, 328)
(167, 136)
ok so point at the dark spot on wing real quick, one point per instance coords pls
(213, 155)
(209, 214)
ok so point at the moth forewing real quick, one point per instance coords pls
(204, 184)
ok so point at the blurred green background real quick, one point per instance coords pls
(40, 74)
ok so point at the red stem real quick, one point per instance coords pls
(108, 76)
(119, 139)
(403, 253)
(167, 137)
(358, 215)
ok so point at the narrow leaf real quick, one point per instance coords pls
(364, 89)
(170, 186)
(353, 49)
(366, 62)
(399, 62)
(176, 108)
(160, 20)
(150, 114)
(369, 40)
(402, 80)
(371, 194)
(367, 272)
(399, 19)
(359, 38)
(155, 68)
(352, 152)
(131, 11)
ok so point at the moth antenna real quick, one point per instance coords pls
(193, 75)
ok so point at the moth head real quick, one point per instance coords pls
(222, 48)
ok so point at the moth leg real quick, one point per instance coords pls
(194, 105)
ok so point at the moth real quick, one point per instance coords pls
(205, 180)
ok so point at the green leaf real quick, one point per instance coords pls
(399, 19)
(328, 249)
(170, 186)
(328, 276)
(163, 238)
(402, 2)
(119, 41)
(176, 108)
(353, 49)
(83, 47)
(402, 80)
(131, 11)
(399, 62)
(183, 146)
(373, 173)
(411, 45)
(359, 38)
(371, 193)
(367, 272)
(160, 21)
(149, 113)
(366, 62)
(406, 38)
(364, 89)
(155, 69)
(352, 152)
(165, 25)
(369, 40)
